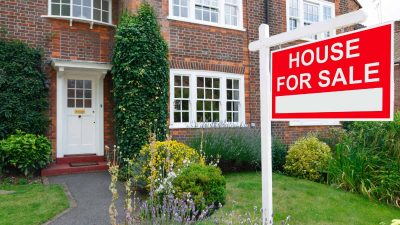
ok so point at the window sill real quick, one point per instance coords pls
(205, 23)
(71, 19)
(205, 125)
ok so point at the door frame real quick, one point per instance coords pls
(66, 69)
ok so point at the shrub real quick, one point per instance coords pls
(23, 92)
(205, 185)
(307, 158)
(140, 80)
(27, 153)
(367, 160)
(164, 157)
(239, 149)
(279, 152)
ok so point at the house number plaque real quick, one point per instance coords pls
(79, 111)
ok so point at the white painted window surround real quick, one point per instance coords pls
(89, 11)
(219, 13)
(304, 12)
(206, 98)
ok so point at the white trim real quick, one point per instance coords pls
(72, 18)
(193, 74)
(65, 69)
(103, 67)
(300, 18)
(221, 15)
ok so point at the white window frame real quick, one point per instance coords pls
(71, 18)
(193, 74)
(221, 15)
(321, 4)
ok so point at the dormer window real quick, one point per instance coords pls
(88, 10)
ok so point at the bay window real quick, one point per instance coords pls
(205, 97)
(305, 12)
(221, 13)
(89, 10)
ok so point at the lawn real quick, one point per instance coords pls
(306, 202)
(31, 204)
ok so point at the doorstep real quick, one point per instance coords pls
(73, 164)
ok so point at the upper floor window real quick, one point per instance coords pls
(95, 10)
(223, 13)
(305, 12)
(203, 97)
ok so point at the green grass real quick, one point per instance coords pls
(306, 202)
(31, 204)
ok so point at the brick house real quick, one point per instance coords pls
(213, 75)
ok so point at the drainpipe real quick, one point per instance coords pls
(266, 14)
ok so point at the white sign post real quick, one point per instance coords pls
(263, 45)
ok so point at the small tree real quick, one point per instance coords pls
(140, 76)
(23, 92)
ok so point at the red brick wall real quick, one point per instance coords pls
(21, 20)
(397, 87)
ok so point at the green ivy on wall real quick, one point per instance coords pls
(23, 92)
(140, 78)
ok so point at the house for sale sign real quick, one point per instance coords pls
(347, 77)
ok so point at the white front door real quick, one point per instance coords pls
(80, 125)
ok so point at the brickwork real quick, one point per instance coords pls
(22, 20)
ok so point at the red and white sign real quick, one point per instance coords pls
(347, 77)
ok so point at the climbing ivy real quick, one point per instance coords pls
(140, 80)
(23, 91)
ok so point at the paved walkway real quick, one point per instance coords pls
(91, 194)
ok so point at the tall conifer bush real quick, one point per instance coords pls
(140, 76)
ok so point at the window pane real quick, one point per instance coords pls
(86, 12)
(79, 103)
(71, 103)
(105, 5)
(88, 84)
(207, 117)
(200, 93)
(177, 80)
(216, 94)
(71, 83)
(79, 83)
(88, 93)
(77, 11)
(65, 10)
(88, 103)
(185, 81)
(207, 106)
(66, 1)
(79, 93)
(200, 82)
(198, 13)
(208, 82)
(77, 2)
(96, 14)
(185, 105)
(200, 117)
(55, 1)
(185, 93)
(215, 117)
(105, 17)
(199, 105)
(208, 94)
(178, 93)
(177, 117)
(184, 12)
(185, 117)
(55, 9)
(71, 93)
(88, 3)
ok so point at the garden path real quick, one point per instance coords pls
(92, 197)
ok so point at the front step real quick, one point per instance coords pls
(80, 158)
(55, 169)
